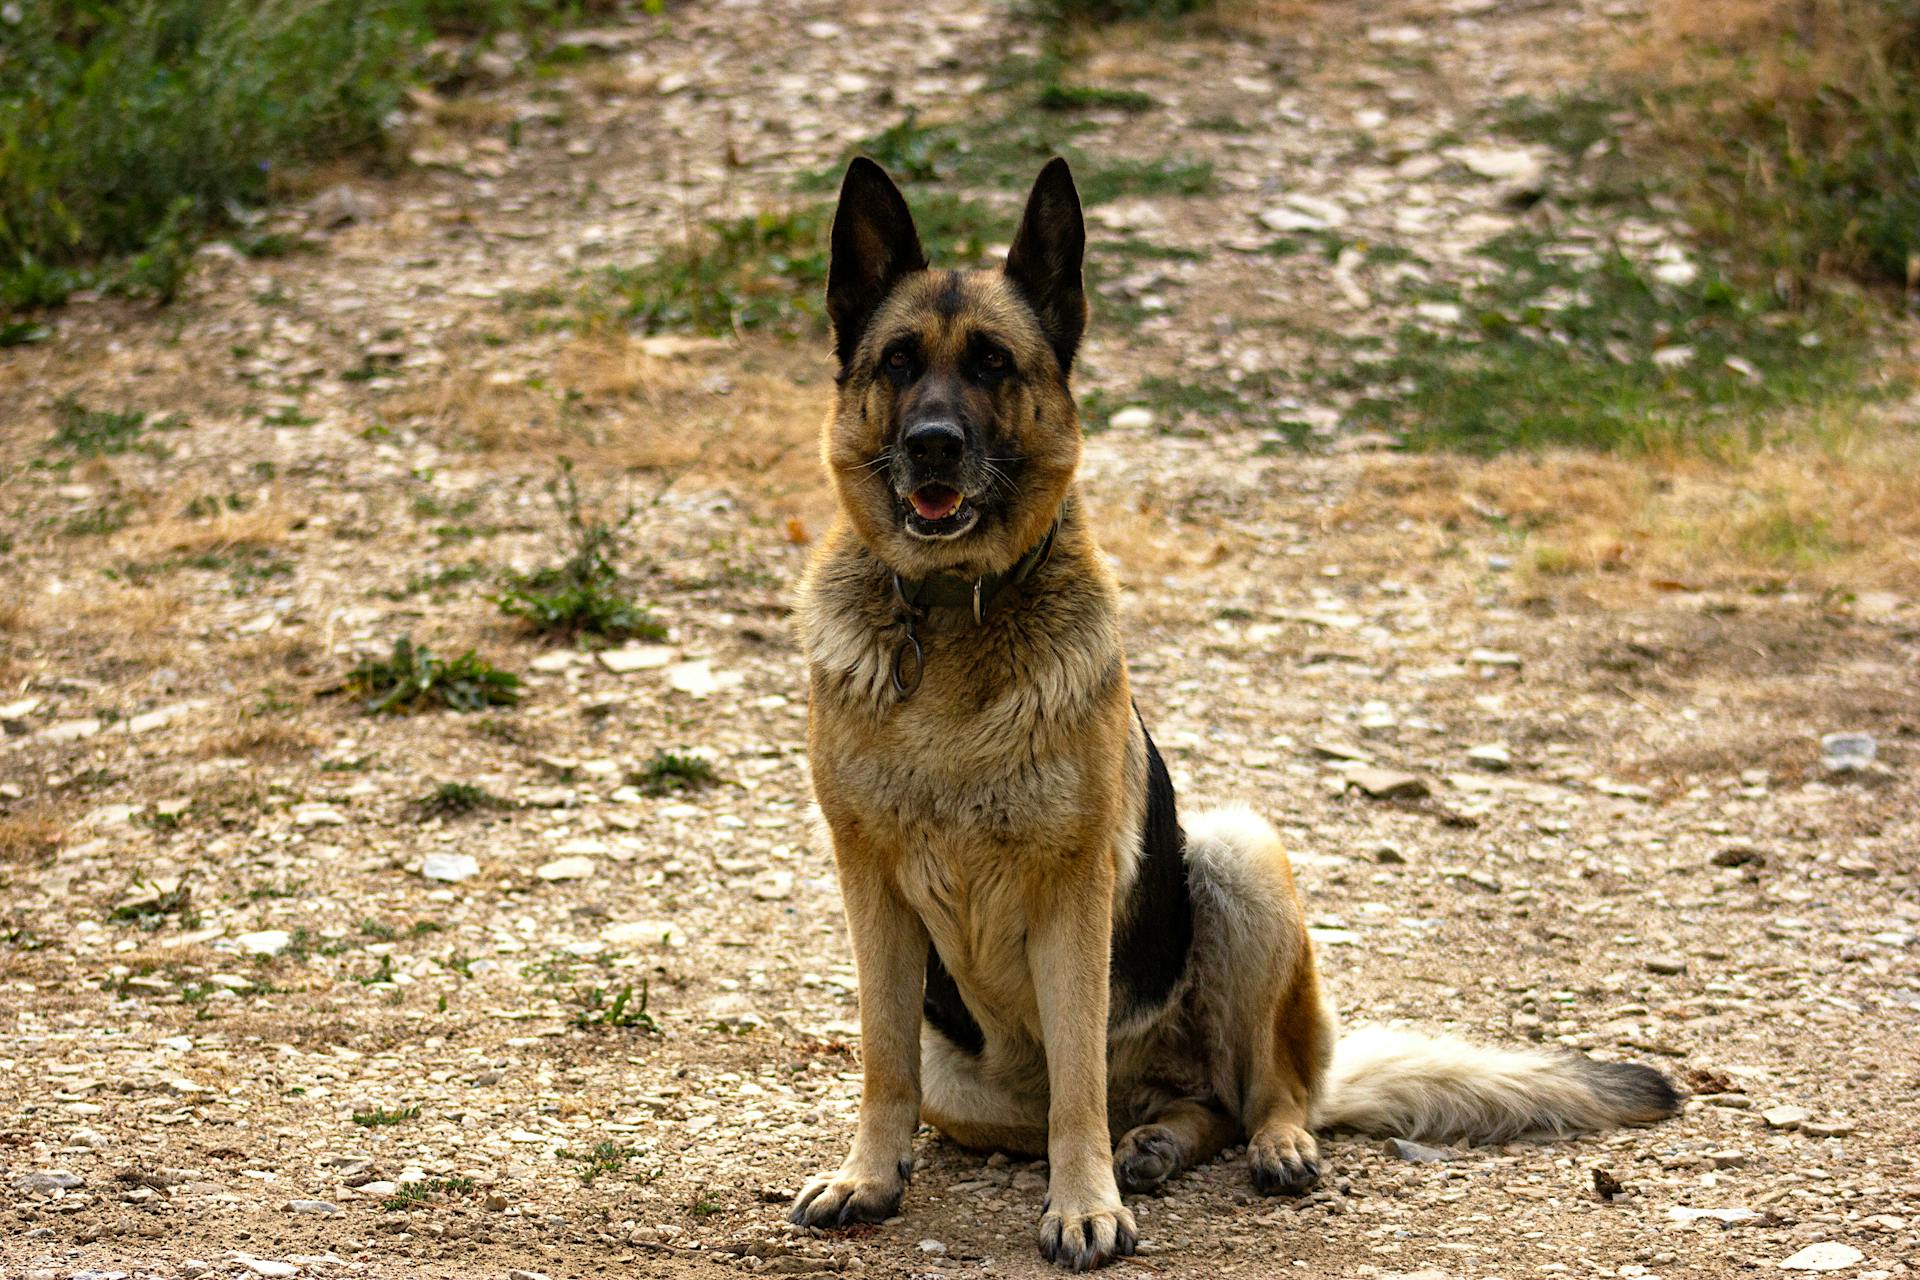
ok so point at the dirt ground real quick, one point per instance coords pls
(243, 1034)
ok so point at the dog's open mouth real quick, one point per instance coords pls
(939, 511)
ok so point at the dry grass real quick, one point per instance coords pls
(1837, 511)
(264, 525)
(29, 837)
(744, 424)
(260, 739)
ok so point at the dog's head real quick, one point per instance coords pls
(954, 436)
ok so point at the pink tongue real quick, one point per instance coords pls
(934, 501)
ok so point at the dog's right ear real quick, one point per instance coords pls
(874, 245)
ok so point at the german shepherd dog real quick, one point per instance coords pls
(1049, 962)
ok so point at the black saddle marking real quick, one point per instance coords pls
(1151, 944)
(945, 1010)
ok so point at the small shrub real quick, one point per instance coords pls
(606, 1157)
(380, 1116)
(621, 1010)
(669, 772)
(413, 679)
(452, 799)
(582, 595)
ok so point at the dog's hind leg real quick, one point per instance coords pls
(1269, 1034)
(1184, 1133)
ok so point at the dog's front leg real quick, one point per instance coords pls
(1068, 944)
(890, 954)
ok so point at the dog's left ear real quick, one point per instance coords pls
(1044, 263)
(874, 245)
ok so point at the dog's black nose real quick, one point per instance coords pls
(936, 444)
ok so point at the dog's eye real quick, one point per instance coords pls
(898, 359)
(993, 361)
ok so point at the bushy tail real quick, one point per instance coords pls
(1404, 1084)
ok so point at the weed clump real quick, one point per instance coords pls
(582, 595)
(413, 679)
(455, 799)
(669, 772)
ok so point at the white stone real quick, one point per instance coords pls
(698, 679)
(266, 942)
(450, 868)
(643, 657)
(1134, 417)
(1826, 1255)
(574, 868)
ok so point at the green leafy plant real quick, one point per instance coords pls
(582, 595)
(622, 1009)
(669, 771)
(379, 1117)
(413, 679)
(453, 799)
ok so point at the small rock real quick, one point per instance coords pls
(572, 868)
(267, 942)
(45, 1181)
(1727, 1159)
(519, 1273)
(1739, 855)
(1134, 417)
(773, 886)
(1419, 1152)
(1494, 658)
(1847, 752)
(1667, 965)
(1826, 1128)
(698, 679)
(1388, 784)
(1680, 1213)
(317, 815)
(1328, 749)
(494, 1203)
(1786, 1117)
(933, 1247)
(312, 1206)
(1492, 756)
(451, 868)
(1827, 1255)
(645, 657)
(270, 1267)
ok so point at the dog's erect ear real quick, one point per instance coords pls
(874, 244)
(1044, 263)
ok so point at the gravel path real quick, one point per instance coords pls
(246, 1033)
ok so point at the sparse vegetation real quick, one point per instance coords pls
(605, 1158)
(671, 771)
(583, 595)
(413, 679)
(623, 1009)
(454, 799)
(94, 433)
(380, 1116)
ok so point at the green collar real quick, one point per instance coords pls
(913, 597)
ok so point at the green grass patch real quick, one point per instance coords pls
(413, 679)
(380, 1117)
(95, 433)
(457, 799)
(583, 594)
(622, 1009)
(1181, 405)
(605, 1158)
(669, 772)
(1602, 354)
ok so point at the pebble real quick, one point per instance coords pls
(933, 1247)
(645, 657)
(44, 1181)
(1492, 757)
(451, 868)
(520, 1273)
(1786, 1117)
(267, 942)
(1666, 965)
(773, 886)
(1680, 1213)
(1847, 752)
(1132, 418)
(269, 1267)
(1826, 1128)
(317, 815)
(1389, 784)
(1419, 1152)
(1826, 1255)
(570, 868)
(312, 1206)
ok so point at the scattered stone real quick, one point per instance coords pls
(318, 815)
(1731, 1101)
(266, 942)
(774, 885)
(1389, 784)
(1739, 855)
(450, 868)
(1134, 417)
(1826, 1255)
(519, 1273)
(1419, 1152)
(312, 1206)
(44, 1182)
(644, 657)
(1727, 1159)
(571, 868)
(1786, 1117)
(1666, 965)
(269, 1267)
(698, 679)
(1492, 757)
(1328, 749)
(1826, 1128)
(1494, 658)
(1727, 1217)
(934, 1248)
(1847, 752)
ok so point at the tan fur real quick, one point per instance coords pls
(998, 811)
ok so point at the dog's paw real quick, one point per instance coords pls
(1081, 1239)
(1146, 1157)
(846, 1197)
(1285, 1160)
